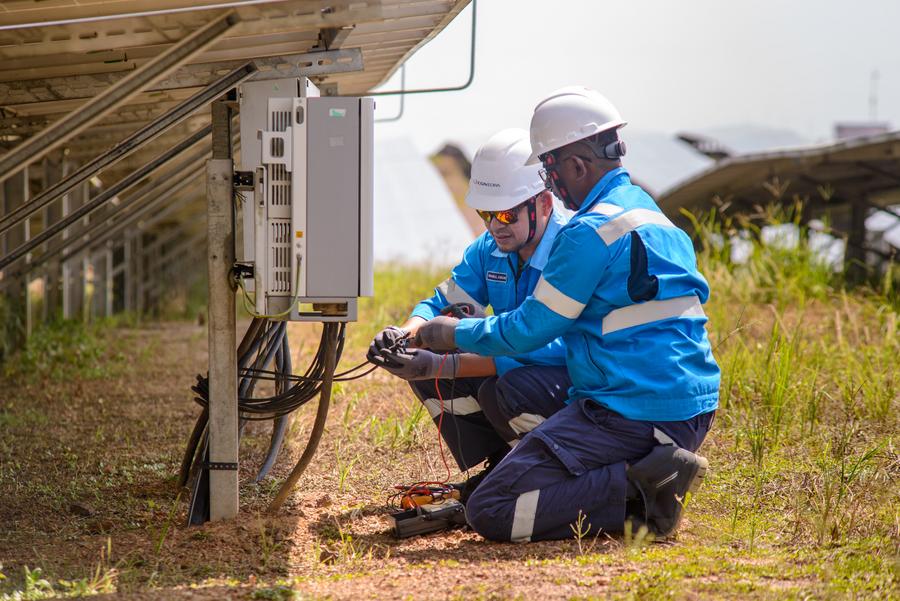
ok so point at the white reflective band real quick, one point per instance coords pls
(525, 423)
(523, 518)
(556, 301)
(455, 294)
(650, 311)
(460, 406)
(662, 438)
(616, 228)
(605, 208)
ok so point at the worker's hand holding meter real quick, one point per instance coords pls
(420, 364)
(438, 334)
(388, 339)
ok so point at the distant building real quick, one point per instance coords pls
(860, 129)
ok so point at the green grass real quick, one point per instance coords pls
(67, 349)
(801, 501)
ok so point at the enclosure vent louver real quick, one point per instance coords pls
(280, 255)
(279, 187)
(280, 120)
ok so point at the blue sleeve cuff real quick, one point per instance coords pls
(463, 334)
(505, 364)
(425, 311)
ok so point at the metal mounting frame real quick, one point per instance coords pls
(131, 143)
(153, 191)
(79, 87)
(102, 198)
(64, 129)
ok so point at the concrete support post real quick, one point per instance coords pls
(54, 171)
(128, 273)
(15, 291)
(87, 287)
(108, 276)
(139, 273)
(223, 411)
(66, 266)
(26, 191)
(78, 264)
(855, 255)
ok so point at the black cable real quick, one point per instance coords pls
(329, 349)
(262, 351)
(266, 374)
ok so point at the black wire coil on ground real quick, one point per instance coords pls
(265, 344)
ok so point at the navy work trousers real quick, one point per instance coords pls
(484, 417)
(572, 463)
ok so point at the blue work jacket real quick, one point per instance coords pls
(488, 276)
(621, 287)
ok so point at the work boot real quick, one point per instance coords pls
(662, 479)
(468, 487)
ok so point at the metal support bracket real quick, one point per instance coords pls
(333, 37)
(243, 181)
(309, 64)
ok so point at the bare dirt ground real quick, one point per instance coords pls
(88, 496)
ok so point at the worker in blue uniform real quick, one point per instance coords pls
(621, 287)
(485, 404)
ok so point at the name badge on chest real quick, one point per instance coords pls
(497, 276)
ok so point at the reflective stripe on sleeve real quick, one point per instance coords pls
(454, 293)
(460, 406)
(605, 208)
(523, 518)
(556, 301)
(650, 311)
(616, 228)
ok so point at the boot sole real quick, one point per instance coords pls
(697, 480)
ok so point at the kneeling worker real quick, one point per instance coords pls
(621, 286)
(488, 403)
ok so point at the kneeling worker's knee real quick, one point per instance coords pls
(489, 516)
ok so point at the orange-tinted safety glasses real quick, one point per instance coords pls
(507, 217)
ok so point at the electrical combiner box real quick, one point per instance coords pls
(311, 213)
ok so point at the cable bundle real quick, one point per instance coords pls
(267, 343)
(264, 346)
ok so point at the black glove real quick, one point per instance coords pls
(388, 339)
(438, 334)
(419, 364)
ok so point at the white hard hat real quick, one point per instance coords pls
(500, 179)
(567, 115)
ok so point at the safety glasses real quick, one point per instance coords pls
(507, 217)
(550, 176)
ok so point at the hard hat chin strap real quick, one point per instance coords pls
(569, 202)
(531, 209)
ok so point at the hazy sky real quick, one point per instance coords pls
(668, 65)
